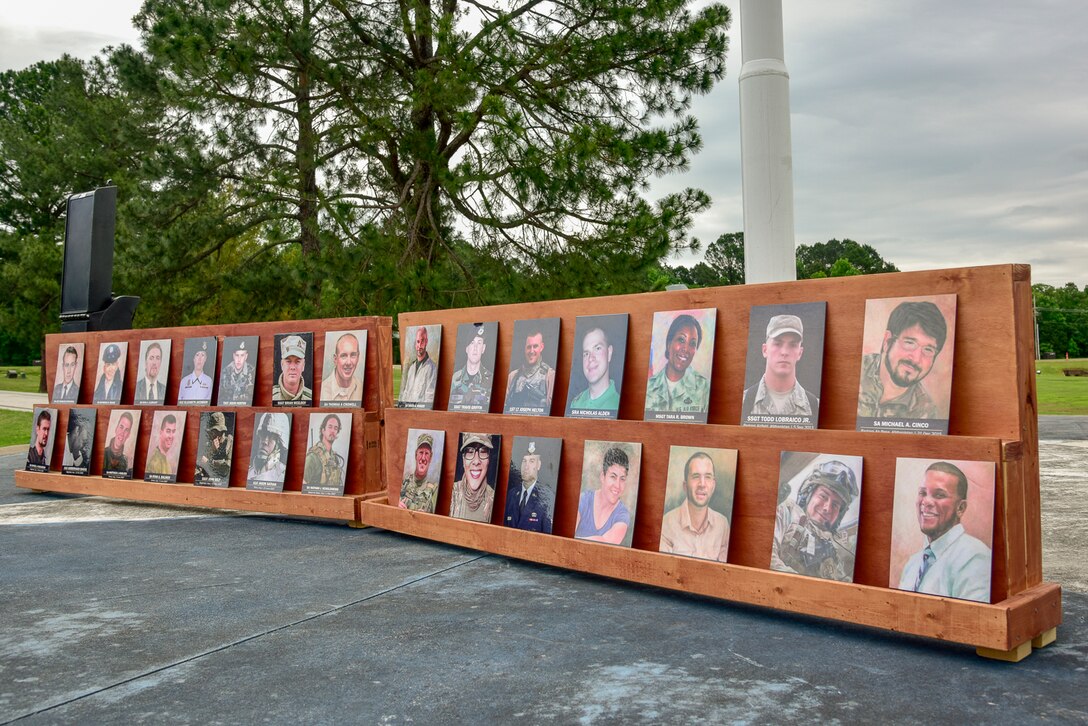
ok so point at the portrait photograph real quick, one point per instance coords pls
(327, 445)
(214, 449)
(943, 527)
(530, 384)
(293, 369)
(784, 366)
(816, 522)
(473, 367)
(268, 455)
(69, 373)
(422, 470)
(699, 502)
(681, 359)
(197, 369)
(110, 375)
(596, 368)
(906, 364)
(531, 483)
(152, 372)
(43, 432)
(477, 471)
(120, 448)
(343, 369)
(609, 492)
(79, 441)
(164, 447)
(419, 349)
(238, 372)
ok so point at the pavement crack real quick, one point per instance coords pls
(239, 641)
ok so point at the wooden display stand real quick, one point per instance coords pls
(364, 473)
(993, 418)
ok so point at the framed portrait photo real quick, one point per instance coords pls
(906, 364)
(120, 448)
(110, 376)
(152, 372)
(69, 373)
(609, 492)
(43, 433)
(784, 366)
(530, 384)
(329, 443)
(681, 359)
(164, 446)
(474, 367)
(422, 470)
(344, 367)
(596, 369)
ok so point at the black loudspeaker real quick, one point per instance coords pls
(86, 301)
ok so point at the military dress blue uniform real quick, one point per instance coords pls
(534, 516)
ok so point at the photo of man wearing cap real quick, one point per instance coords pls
(292, 370)
(422, 469)
(196, 385)
(111, 372)
(778, 336)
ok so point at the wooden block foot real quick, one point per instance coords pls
(1015, 655)
(1045, 638)
(360, 525)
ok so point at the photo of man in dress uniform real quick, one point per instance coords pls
(345, 362)
(41, 440)
(935, 505)
(906, 367)
(69, 373)
(815, 525)
(530, 489)
(785, 345)
(422, 468)
(419, 366)
(681, 357)
(117, 458)
(268, 459)
(196, 385)
(164, 447)
(292, 370)
(327, 459)
(470, 387)
(111, 373)
(531, 382)
(698, 502)
(151, 374)
(239, 370)
(215, 449)
(79, 441)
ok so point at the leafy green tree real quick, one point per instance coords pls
(1062, 316)
(417, 136)
(825, 257)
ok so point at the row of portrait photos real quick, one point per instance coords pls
(942, 530)
(292, 374)
(326, 450)
(905, 383)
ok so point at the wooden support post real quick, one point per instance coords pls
(1014, 655)
(1044, 639)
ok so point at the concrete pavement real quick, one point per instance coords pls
(19, 401)
(134, 613)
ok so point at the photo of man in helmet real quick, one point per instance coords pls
(815, 527)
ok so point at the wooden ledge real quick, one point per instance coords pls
(1001, 627)
(294, 504)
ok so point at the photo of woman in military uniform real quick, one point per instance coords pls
(197, 367)
(111, 373)
(681, 358)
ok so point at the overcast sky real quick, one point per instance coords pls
(942, 133)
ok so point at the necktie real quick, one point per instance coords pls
(524, 497)
(152, 389)
(928, 557)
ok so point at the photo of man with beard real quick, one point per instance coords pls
(915, 344)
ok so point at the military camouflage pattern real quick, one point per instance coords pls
(418, 495)
(691, 394)
(913, 403)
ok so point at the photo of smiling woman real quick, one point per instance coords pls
(477, 470)
(606, 505)
(681, 357)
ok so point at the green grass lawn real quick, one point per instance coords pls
(15, 427)
(1058, 393)
(24, 385)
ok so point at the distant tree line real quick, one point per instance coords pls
(1062, 315)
